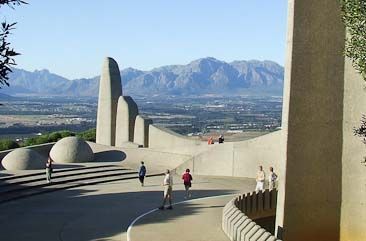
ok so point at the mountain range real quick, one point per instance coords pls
(202, 76)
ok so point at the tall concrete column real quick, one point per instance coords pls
(110, 89)
(127, 111)
(309, 209)
(141, 133)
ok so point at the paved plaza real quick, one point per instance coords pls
(105, 211)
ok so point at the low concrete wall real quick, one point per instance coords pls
(239, 159)
(165, 140)
(132, 157)
(240, 214)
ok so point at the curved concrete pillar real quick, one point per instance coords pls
(127, 111)
(141, 135)
(110, 89)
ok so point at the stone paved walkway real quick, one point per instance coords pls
(196, 219)
(104, 211)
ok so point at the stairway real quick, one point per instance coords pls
(22, 186)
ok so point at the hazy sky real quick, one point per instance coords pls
(71, 37)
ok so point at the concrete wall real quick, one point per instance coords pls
(239, 159)
(133, 156)
(238, 226)
(141, 133)
(127, 111)
(311, 207)
(353, 213)
(169, 141)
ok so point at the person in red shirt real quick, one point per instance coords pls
(187, 180)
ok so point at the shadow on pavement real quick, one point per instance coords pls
(76, 216)
(109, 156)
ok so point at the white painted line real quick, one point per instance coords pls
(156, 209)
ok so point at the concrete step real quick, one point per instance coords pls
(59, 174)
(56, 170)
(21, 185)
(75, 179)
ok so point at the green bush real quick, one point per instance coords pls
(66, 134)
(8, 144)
(46, 138)
(89, 135)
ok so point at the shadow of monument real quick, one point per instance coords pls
(109, 156)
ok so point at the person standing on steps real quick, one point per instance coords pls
(142, 173)
(187, 180)
(261, 177)
(49, 169)
(168, 190)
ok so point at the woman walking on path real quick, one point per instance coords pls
(49, 169)
(187, 180)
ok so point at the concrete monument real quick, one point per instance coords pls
(23, 159)
(141, 134)
(127, 111)
(110, 89)
(71, 150)
(322, 191)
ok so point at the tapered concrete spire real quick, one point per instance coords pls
(110, 89)
(127, 111)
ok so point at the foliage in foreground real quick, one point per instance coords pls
(361, 131)
(8, 144)
(354, 18)
(7, 53)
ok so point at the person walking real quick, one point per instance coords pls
(168, 190)
(221, 139)
(260, 179)
(142, 173)
(272, 178)
(49, 169)
(187, 180)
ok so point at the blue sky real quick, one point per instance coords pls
(72, 37)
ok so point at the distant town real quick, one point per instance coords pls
(22, 118)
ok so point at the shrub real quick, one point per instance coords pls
(89, 135)
(8, 144)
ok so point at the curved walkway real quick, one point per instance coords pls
(104, 211)
(195, 219)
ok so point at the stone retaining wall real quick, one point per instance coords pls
(240, 215)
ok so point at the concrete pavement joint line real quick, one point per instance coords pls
(156, 209)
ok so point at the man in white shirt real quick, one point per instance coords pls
(260, 179)
(168, 189)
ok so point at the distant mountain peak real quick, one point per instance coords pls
(201, 76)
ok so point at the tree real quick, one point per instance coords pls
(354, 18)
(8, 144)
(7, 54)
